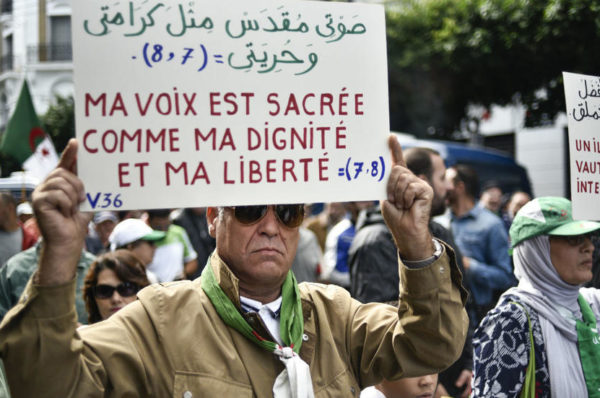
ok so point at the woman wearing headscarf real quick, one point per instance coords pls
(541, 339)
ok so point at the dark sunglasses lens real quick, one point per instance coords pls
(128, 289)
(249, 214)
(578, 240)
(104, 291)
(290, 215)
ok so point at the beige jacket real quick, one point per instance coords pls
(172, 343)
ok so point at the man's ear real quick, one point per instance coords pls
(459, 186)
(212, 215)
(424, 178)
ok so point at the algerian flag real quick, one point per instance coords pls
(25, 140)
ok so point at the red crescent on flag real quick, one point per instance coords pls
(33, 134)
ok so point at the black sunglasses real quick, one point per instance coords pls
(125, 289)
(289, 215)
(576, 240)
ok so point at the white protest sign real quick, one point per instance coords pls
(582, 94)
(198, 103)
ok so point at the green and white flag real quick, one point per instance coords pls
(25, 140)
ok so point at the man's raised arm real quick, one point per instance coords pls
(38, 335)
(56, 205)
(426, 333)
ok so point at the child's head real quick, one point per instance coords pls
(409, 387)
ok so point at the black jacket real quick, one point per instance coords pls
(373, 262)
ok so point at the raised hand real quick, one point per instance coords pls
(63, 227)
(407, 209)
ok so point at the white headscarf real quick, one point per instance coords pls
(555, 301)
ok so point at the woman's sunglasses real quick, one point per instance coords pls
(289, 215)
(576, 240)
(125, 289)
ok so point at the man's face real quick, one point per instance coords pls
(104, 229)
(260, 254)
(144, 250)
(451, 194)
(354, 208)
(199, 211)
(439, 184)
(518, 200)
(492, 199)
(335, 212)
(8, 215)
(160, 223)
(3, 214)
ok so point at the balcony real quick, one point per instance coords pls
(50, 52)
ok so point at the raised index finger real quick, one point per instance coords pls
(68, 160)
(396, 150)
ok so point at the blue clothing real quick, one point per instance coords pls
(17, 271)
(343, 247)
(481, 236)
(340, 275)
(501, 352)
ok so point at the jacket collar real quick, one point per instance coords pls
(225, 278)
(230, 285)
(473, 213)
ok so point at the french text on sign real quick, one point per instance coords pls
(230, 102)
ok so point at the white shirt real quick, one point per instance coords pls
(371, 392)
(269, 313)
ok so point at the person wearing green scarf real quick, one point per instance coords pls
(245, 327)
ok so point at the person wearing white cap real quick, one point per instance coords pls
(99, 230)
(541, 340)
(13, 237)
(24, 211)
(135, 235)
(175, 257)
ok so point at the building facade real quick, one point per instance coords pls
(543, 151)
(36, 45)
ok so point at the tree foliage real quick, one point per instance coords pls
(447, 54)
(59, 122)
(8, 164)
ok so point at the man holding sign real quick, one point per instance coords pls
(245, 328)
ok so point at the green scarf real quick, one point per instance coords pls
(291, 323)
(588, 342)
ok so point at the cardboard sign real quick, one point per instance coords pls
(229, 102)
(582, 94)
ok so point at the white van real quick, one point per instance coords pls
(20, 184)
(490, 164)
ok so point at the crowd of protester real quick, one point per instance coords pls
(348, 244)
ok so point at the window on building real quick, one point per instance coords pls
(3, 109)
(60, 38)
(6, 6)
(7, 53)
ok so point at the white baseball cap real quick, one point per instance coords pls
(131, 230)
(24, 208)
(102, 216)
